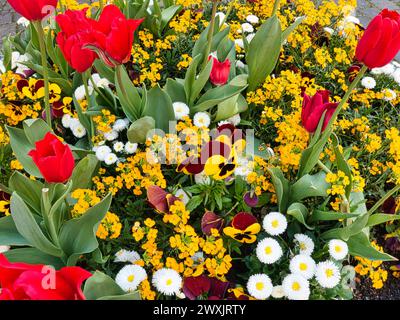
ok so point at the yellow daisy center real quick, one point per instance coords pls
(329, 273)
(296, 286)
(275, 224)
(303, 246)
(303, 266)
(268, 250)
(259, 286)
(131, 278)
(169, 282)
(338, 248)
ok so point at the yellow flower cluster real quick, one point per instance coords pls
(110, 227)
(104, 121)
(393, 135)
(339, 181)
(86, 198)
(372, 269)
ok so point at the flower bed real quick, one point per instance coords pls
(198, 150)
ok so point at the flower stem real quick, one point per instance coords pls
(101, 4)
(210, 33)
(276, 7)
(85, 77)
(43, 54)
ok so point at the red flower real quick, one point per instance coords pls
(204, 287)
(211, 221)
(114, 35)
(381, 40)
(21, 281)
(160, 200)
(54, 159)
(220, 71)
(244, 228)
(76, 32)
(33, 9)
(313, 109)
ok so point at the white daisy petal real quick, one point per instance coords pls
(259, 286)
(269, 251)
(167, 281)
(130, 276)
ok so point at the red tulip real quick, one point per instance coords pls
(313, 109)
(54, 159)
(22, 281)
(33, 9)
(220, 71)
(381, 40)
(76, 33)
(114, 35)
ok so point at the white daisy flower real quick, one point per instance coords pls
(23, 22)
(388, 69)
(180, 193)
(252, 19)
(111, 135)
(259, 286)
(4, 249)
(201, 119)
(167, 281)
(126, 256)
(396, 76)
(235, 120)
(239, 42)
(74, 122)
(110, 159)
(181, 110)
(120, 125)
(131, 148)
(247, 27)
(275, 223)
(80, 92)
(130, 276)
(389, 94)
(352, 19)
(303, 265)
(296, 287)
(119, 146)
(305, 243)
(338, 249)
(102, 152)
(368, 82)
(277, 292)
(79, 131)
(250, 37)
(327, 274)
(66, 120)
(269, 251)
(377, 71)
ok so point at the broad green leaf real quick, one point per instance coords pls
(33, 256)
(28, 227)
(78, 236)
(190, 77)
(104, 71)
(175, 90)
(35, 129)
(263, 52)
(231, 107)
(350, 230)
(291, 28)
(359, 245)
(159, 107)
(300, 212)
(342, 164)
(83, 172)
(282, 188)
(137, 132)
(167, 15)
(309, 186)
(318, 215)
(200, 82)
(9, 235)
(379, 218)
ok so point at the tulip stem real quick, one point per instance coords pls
(210, 33)
(276, 7)
(85, 77)
(101, 4)
(43, 54)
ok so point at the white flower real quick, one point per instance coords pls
(198, 258)
(73, 123)
(376, 71)
(239, 42)
(269, 251)
(396, 76)
(130, 148)
(303, 265)
(99, 81)
(102, 152)
(259, 286)
(181, 194)
(296, 287)
(277, 292)
(4, 249)
(110, 159)
(329, 30)
(389, 94)
(78, 131)
(80, 92)
(252, 19)
(167, 281)
(275, 223)
(17, 61)
(126, 256)
(119, 146)
(202, 178)
(244, 167)
(368, 82)
(201, 119)
(388, 69)
(240, 64)
(250, 37)
(66, 120)
(181, 110)
(120, 125)
(306, 245)
(221, 16)
(352, 19)
(235, 120)
(327, 274)
(338, 249)
(111, 135)
(129, 277)
(2, 67)
(247, 27)
(23, 22)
